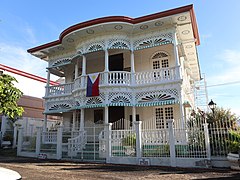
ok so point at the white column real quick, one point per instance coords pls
(38, 141)
(132, 62)
(207, 142)
(172, 143)
(106, 115)
(15, 136)
(48, 77)
(133, 116)
(83, 71)
(83, 65)
(4, 125)
(45, 123)
(76, 70)
(20, 140)
(59, 142)
(138, 138)
(132, 68)
(74, 121)
(106, 70)
(82, 120)
(108, 128)
(106, 61)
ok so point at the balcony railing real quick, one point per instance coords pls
(119, 78)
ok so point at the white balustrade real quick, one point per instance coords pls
(157, 76)
(122, 78)
(155, 137)
(60, 89)
(119, 78)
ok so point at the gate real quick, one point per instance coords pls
(85, 145)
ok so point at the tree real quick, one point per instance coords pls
(224, 117)
(9, 95)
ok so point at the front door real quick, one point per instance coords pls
(116, 62)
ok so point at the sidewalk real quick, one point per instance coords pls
(52, 169)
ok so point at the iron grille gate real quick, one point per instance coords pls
(88, 148)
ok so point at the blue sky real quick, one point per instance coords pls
(25, 24)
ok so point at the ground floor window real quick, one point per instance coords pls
(162, 114)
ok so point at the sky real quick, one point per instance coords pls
(25, 24)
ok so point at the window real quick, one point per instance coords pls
(162, 114)
(160, 60)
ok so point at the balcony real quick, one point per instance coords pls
(119, 78)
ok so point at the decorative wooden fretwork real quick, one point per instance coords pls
(94, 46)
(159, 55)
(94, 100)
(120, 99)
(156, 97)
(152, 41)
(61, 62)
(119, 44)
(61, 106)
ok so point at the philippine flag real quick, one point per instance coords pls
(93, 85)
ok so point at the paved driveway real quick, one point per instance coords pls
(47, 169)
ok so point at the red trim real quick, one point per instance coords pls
(25, 74)
(123, 19)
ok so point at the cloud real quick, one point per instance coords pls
(230, 71)
(17, 57)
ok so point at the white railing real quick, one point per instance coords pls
(122, 78)
(77, 83)
(102, 144)
(119, 78)
(121, 124)
(59, 89)
(76, 144)
(50, 137)
(155, 137)
(156, 76)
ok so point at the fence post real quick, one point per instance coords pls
(20, 140)
(38, 141)
(59, 142)
(15, 136)
(108, 128)
(171, 143)
(207, 142)
(138, 138)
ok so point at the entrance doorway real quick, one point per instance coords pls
(116, 113)
(116, 62)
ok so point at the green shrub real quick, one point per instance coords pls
(130, 140)
(234, 142)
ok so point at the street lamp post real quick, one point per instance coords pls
(212, 106)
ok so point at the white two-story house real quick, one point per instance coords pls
(121, 70)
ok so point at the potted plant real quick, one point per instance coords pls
(234, 150)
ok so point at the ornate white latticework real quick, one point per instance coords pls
(60, 105)
(120, 98)
(95, 46)
(161, 95)
(152, 41)
(119, 44)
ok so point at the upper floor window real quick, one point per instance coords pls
(160, 60)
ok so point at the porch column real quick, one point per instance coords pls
(132, 68)
(74, 121)
(83, 71)
(48, 77)
(171, 143)
(82, 120)
(45, 123)
(48, 82)
(76, 70)
(106, 70)
(133, 116)
(175, 48)
(106, 115)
